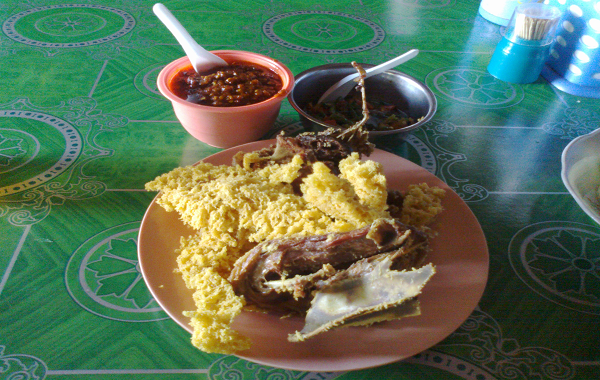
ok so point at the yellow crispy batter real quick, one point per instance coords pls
(337, 198)
(232, 208)
(282, 173)
(217, 306)
(367, 179)
(421, 204)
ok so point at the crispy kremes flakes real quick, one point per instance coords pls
(233, 208)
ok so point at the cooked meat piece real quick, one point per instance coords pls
(406, 257)
(278, 261)
(395, 199)
(375, 294)
(264, 154)
(326, 149)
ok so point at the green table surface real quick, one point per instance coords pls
(83, 128)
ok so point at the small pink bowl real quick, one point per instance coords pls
(225, 127)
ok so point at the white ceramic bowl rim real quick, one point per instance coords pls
(567, 165)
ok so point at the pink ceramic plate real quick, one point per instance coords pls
(459, 253)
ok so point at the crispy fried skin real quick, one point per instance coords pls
(299, 260)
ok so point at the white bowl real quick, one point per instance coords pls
(581, 172)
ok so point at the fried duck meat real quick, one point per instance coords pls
(285, 275)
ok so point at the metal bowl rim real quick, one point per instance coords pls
(429, 94)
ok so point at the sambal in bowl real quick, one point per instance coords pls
(229, 105)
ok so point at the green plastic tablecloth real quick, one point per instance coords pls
(83, 128)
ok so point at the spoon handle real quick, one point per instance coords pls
(183, 37)
(392, 63)
(346, 84)
(192, 49)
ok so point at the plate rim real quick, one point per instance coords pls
(333, 367)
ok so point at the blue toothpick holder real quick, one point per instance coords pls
(525, 46)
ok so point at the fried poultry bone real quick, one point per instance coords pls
(338, 279)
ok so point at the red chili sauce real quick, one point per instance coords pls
(239, 84)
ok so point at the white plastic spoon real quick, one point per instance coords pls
(346, 84)
(201, 59)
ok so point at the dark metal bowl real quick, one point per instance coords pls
(394, 87)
